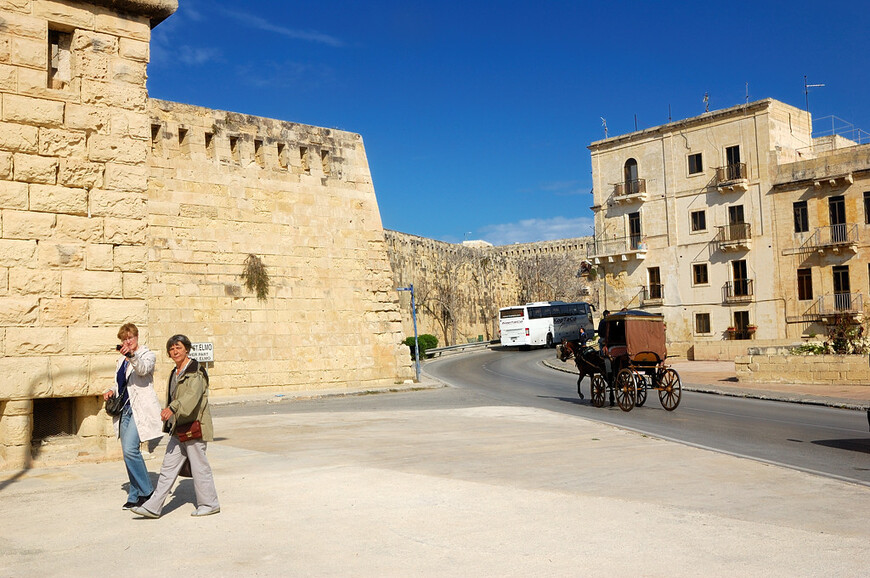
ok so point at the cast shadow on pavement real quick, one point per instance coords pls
(854, 445)
(13, 479)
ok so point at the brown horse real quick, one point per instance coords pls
(586, 358)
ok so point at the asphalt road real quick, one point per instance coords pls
(827, 441)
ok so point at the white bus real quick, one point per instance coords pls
(544, 323)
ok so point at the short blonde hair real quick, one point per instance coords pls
(128, 330)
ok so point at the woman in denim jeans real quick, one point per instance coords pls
(140, 419)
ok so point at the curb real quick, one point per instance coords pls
(760, 394)
(284, 397)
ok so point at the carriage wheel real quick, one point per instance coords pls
(599, 387)
(626, 389)
(670, 389)
(641, 389)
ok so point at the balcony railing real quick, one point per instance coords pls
(635, 187)
(840, 304)
(834, 238)
(619, 247)
(737, 291)
(732, 177)
(652, 294)
(734, 237)
(828, 308)
(733, 172)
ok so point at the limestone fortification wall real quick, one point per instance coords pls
(460, 288)
(114, 208)
(222, 186)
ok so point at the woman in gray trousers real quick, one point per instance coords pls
(188, 402)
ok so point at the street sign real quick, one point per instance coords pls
(202, 352)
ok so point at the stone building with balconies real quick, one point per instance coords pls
(693, 219)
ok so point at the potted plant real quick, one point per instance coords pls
(751, 329)
(731, 332)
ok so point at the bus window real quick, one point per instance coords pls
(510, 313)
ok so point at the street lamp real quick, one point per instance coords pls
(414, 316)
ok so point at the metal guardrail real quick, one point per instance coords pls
(437, 351)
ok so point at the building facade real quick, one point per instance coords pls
(732, 225)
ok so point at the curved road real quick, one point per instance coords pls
(826, 441)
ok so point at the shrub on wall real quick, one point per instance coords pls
(426, 341)
(844, 338)
(255, 277)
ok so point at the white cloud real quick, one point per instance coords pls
(193, 56)
(532, 230)
(266, 26)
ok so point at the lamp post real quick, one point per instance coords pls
(414, 316)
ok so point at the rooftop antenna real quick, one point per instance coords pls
(604, 124)
(706, 102)
(747, 93)
(807, 88)
(635, 122)
(669, 112)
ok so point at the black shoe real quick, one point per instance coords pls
(139, 502)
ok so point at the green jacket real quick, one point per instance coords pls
(190, 402)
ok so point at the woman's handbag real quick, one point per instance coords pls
(189, 431)
(115, 405)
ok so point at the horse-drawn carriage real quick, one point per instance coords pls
(630, 362)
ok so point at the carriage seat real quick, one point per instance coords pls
(616, 350)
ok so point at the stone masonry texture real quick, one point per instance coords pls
(116, 208)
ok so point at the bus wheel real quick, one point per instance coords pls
(550, 343)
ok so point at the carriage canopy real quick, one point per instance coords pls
(635, 332)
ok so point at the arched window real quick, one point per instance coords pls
(630, 177)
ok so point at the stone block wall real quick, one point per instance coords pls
(115, 208)
(821, 369)
(222, 186)
(73, 123)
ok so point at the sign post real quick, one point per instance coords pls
(414, 316)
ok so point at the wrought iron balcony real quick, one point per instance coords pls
(652, 294)
(840, 304)
(629, 191)
(738, 291)
(732, 178)
(831, 307)
(737, 237)
(834, 238)
(616, 249)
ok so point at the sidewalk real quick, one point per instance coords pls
(719, 377)
(472, 491)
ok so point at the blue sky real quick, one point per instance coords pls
(476, 115)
